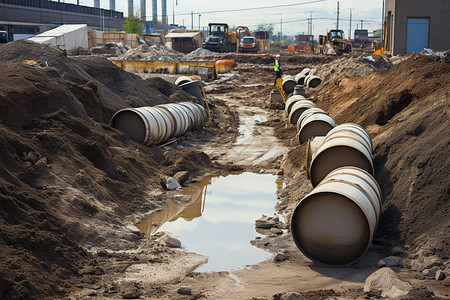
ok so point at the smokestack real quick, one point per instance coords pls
(164, 11)
(97, 3)
(112, 4)
(155, 11)
(143, 11)
(130, 8)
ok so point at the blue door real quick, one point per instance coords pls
(417, 34)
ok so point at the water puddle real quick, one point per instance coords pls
(219, 219)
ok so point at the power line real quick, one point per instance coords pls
(253, 8)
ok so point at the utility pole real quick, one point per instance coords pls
(337, 22)
(192, 20)
(382, 24)
(350, 30)
(281, 30)
(199, 21)
(362, 24)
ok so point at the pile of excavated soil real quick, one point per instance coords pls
(352, 66)
(405, 110)
(68, 179)
(155, 52)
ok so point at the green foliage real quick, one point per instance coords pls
(269, 28)
(133, 25)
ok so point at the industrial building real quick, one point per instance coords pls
(22, 18)
(412, 25)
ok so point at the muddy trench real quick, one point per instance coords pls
(86, 213)
(193, 248)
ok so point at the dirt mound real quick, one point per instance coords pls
(55, 80)
(406, 112)
(352, 66)
(155, 52)
(68, 180)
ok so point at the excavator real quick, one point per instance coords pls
(220, 39)
(334, 43)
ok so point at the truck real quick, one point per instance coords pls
(248, 44)
(220, 39)
(361, 39)
(334, 43)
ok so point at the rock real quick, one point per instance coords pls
(169, 183)
(287, 296)
(276, 231)
(266, 222)
(41, 164)
(181, 177)
(431, 261)
(397, 250)
(385, 282)
(184, 290)
(31, 157)
(390, 261)
(131, 295)
(280, 257)
(431, 272)
(425, 262)
(440, 275)
(133, 228)
(172, 242)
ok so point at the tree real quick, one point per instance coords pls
(268, 28)
(133, 25)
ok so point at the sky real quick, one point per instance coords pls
(290, 17)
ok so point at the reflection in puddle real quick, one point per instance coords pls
(228, 207)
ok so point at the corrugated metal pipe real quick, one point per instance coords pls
(153, 125)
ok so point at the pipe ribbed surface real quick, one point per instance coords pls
(288, 84)
(182, 79)
(316, 124)
(312, 81)
(335, 222)
(290, 101)
(306, 71)
(298, 108)
(154, 125)
(354, 128)
(300, 78)
(307, 113)
(340, 149)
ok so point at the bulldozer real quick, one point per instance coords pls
(334, 43)
(220, 39)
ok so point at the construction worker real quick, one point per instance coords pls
(276, 66)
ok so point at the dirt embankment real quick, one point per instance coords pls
(68, 179)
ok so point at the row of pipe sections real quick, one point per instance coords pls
(153, 125)
(302, 79)
(335, 222)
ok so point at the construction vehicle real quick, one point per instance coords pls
(248, 44)
(361, 40)
(334, 43)
(220, 39)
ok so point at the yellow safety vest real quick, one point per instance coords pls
(276, 65)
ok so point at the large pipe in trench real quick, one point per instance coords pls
(336, 221)
(153, 125)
